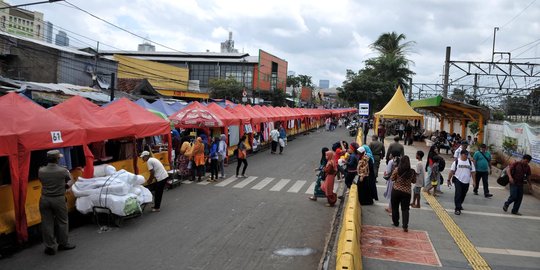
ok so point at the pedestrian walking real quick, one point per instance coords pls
(327, 186)
(255, 143)
(183, 157)
(395, 147)
(392, 164)
(274, 134)
(461, 174)
(282, 139)
(378, 153)
(198, 159)
(457, 153)
(402, 177)
(367, 190)
(519, 173)
(52, 204)
(222, 154)
(401, 130)
(482, 162)
(214, 149)
(158, 177)
(242, 156)
(381, 133)
(317, 191)
(419, 179)
(434, 174)
(352, 164)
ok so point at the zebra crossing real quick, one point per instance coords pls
(263, 184)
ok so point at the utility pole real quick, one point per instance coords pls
(111, 86)
(446, 71)
(31, 4)
(410, 89)
(493, 50)
(475, 87)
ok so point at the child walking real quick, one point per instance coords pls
(434, 175)
(419, 180)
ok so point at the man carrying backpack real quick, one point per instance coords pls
(519, 172)
(461, 174)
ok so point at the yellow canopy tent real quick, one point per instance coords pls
(397, 108)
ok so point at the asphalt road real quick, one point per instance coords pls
(241, 225)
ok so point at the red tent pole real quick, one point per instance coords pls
(135, 156)
(21, 225)
(89, 168)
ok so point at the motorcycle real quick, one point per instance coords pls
(353, 128)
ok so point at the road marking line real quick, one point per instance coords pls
(281, 184)
(464, 244)
(245, 182)
(187, 182)
(263, 183)
(203, 183)
(226, 181)
(513, 252)
(297, 186)
(311, 188)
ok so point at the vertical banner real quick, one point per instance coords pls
(525, 138)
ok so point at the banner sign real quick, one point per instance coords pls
(526, 138)
(363, 109)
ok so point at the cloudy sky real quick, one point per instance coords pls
(317, 38)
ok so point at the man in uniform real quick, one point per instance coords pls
(52, 205)
(377, 148)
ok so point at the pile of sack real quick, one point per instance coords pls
(120, 191)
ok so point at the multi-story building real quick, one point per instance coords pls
(21, 22)
(324, 84)
(48, 32)
(61, 39)
(146, 47)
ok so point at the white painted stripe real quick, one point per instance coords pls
(187, 182)
(504, 215)
(513, 252)
(263, 183)
(281, 184)
(245, 182)
(226, 181)
(311, 188)
(297, 186)
(203, 183)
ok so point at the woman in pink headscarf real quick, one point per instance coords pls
(328, 186)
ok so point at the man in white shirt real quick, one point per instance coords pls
(274, 134)
(457, 153)
(222, 154)
(461, 174)
(157, 172)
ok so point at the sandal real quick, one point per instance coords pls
(155, 210)
(313, 198)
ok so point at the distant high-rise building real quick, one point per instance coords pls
(291, 73)
(61, 39)
(324, 84)
(48, 32)
(228, 45)
(21, 22)
(146, 47)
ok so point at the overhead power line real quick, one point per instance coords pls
(31, 4)
(123, 29)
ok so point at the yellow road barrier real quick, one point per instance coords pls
(349, 252)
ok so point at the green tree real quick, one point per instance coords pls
(293, 81)
(278, 98)
(305, 80)
(228, 88)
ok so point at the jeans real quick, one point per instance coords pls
(214, 169)
(484, 177)
(461, 192)
(240, 161)
(221, 166)
(516, 196)
(160, 186)
(403, 198)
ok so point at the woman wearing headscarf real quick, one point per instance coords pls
(352, 165)
(183, 156)
(402, 177)
(363, 183)
(327, 186)
(242, 156)
(372, 177)
(317, 191)
(198, 158)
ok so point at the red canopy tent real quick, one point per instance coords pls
(240, 110)
(99, 126)
(228, 118)
(142, 122)
(196, 115)
(25, 127)
(272, 115)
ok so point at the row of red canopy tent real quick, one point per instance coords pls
(27, 127)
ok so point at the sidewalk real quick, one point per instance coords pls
(503, 240)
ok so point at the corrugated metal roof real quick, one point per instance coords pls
(248, 59)
(49, 45)
(177, 54)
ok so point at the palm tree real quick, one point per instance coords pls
(392, 63)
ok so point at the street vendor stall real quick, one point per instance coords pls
(397, 108)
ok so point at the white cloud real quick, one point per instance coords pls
(318, 38)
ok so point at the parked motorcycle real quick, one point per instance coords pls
(353, 128)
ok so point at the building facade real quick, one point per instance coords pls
(21, 22)
(270, 73)
(324, 84)
(48, 32)
(61, 39)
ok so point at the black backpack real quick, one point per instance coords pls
(442, 164)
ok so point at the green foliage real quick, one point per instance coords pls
(474, 127)
(498, 115)
(278, 98)
(377, 82)
(509, 144)
(228, 88)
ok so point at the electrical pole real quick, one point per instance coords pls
(111, 86)
(493, 50)
(475, 87)
(446, 71)
(410, 89)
